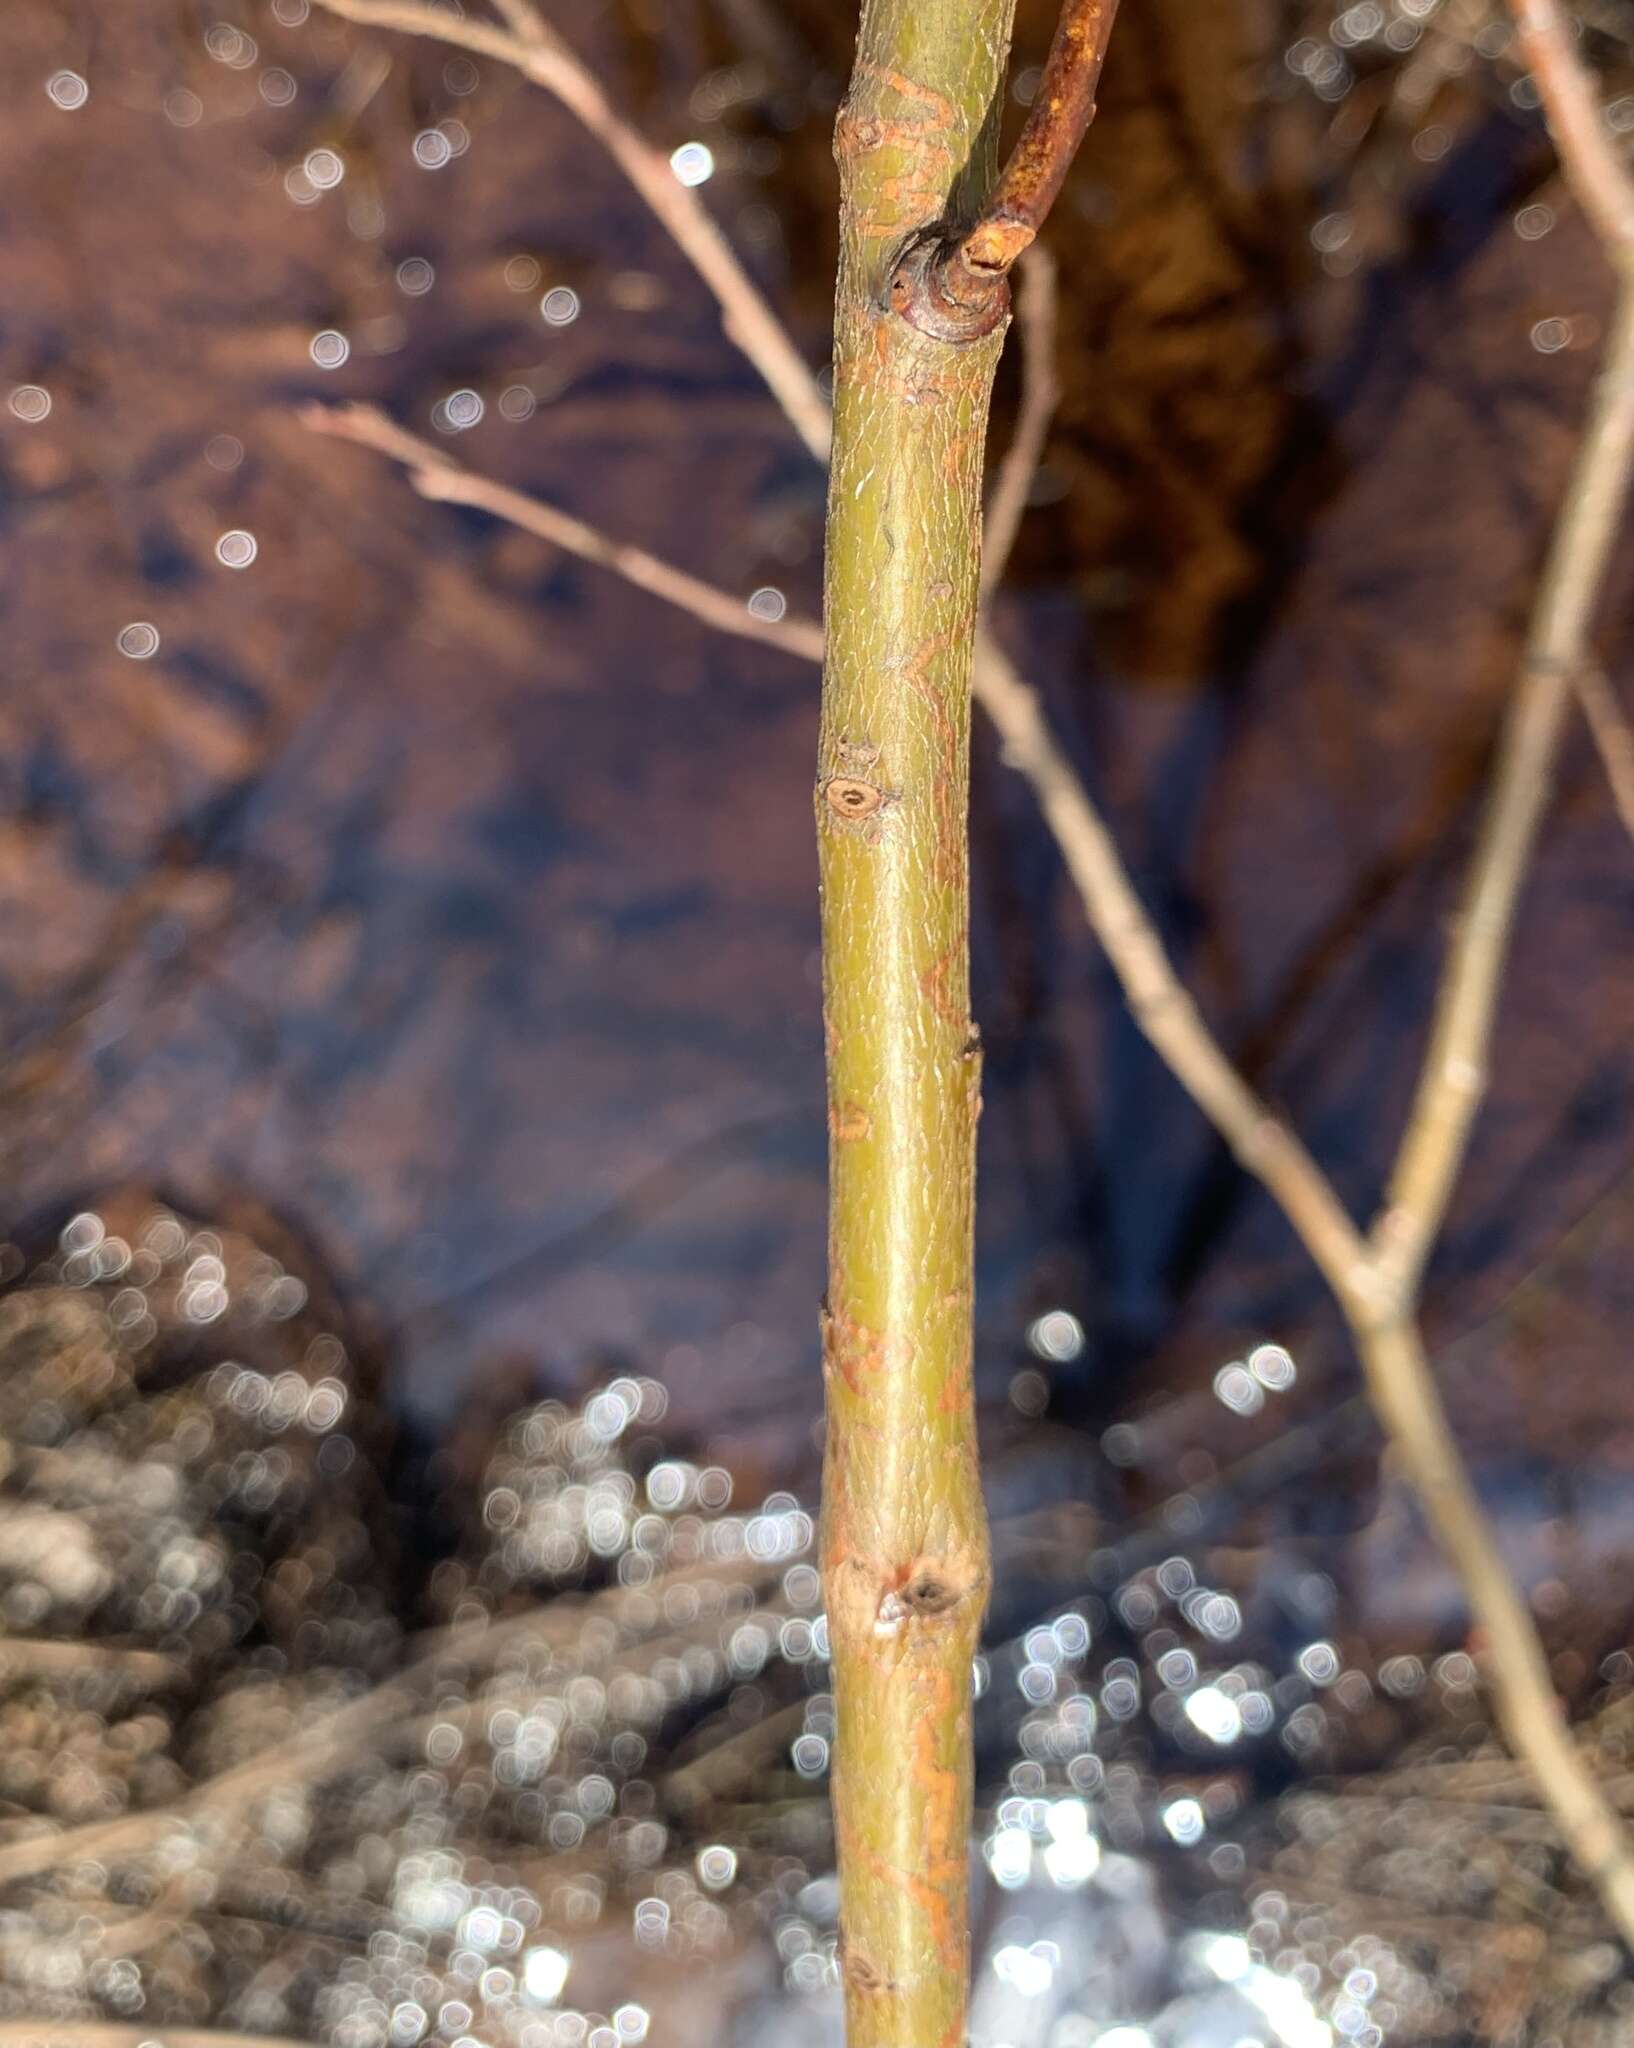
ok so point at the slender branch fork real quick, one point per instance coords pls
(1375, 1277)
(955, 285)
(1600, 182)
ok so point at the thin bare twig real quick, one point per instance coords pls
(1613, 736)
(1056, 123)
(1162, 1008)
(541, 55)
(1040, 395)
(435, 474)
(1591, 162)
(1507, 1641)
(1454, 1075)
(1556, 652)
(523, 19)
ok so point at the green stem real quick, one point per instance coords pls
(904, 1534)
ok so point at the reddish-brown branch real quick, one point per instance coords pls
(1060, 117)
(957, 287)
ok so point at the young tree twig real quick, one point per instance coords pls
(1377, 1279)
(1454, 1075)
(523, 19)
(1057, 122)
(904, 1542)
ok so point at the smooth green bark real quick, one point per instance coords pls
(904, 1534)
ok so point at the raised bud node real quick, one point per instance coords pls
(849, 797)
(934, 289)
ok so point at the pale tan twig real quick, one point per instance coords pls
(1453, 1078)
(1400, 1381)
(548, 61)
(1556, 652)
(1593, 166)
(523, 19)
(734, 1764)
(1040, 395)
(1613, 736)
(308, 1754)
(435, 474)
(1260, 1140)
(1598, 173)
(1510, 1651)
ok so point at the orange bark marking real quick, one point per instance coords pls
(948, 861)
(933, 985)
(890, 367)
(938, 1892)
(848, 1122)
(929, 1894)
(906, 88)
(958, 454)
(858, 1353)
(917, 192)
(956, 1388)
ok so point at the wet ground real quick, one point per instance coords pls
(554, 1775)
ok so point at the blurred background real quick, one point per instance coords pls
(419, 926)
